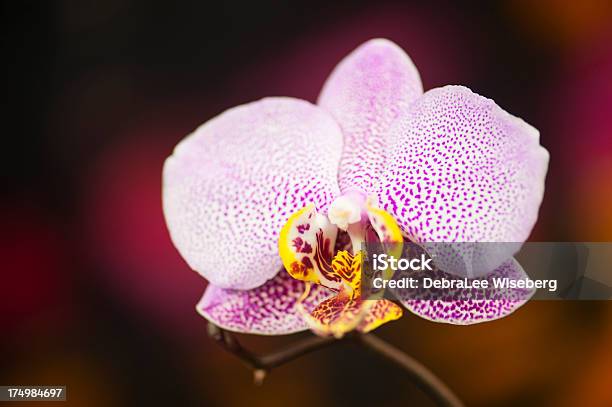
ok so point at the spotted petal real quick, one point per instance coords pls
(231, 185)
(365, 93)
(340, 314)
(464, 170)
(379, 312)
(336, 316)
(455, 307)
(266, 310)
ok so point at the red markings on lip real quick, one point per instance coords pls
(301, 246)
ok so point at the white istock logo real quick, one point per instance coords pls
(381, 262)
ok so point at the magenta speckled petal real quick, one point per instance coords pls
(265, 310)
(501, 303)
(464, 170)
(365, 93)
(230, 186)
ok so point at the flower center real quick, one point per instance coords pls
(307, 249)
(307, 241)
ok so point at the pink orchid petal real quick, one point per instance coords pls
(266, 310)
(231, 185)
(464, 170)
(365, 93)
(502, 302)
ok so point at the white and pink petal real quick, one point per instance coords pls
(468, 306)
(365, 93)
(266, 310)
(229, 187)
(464, 170)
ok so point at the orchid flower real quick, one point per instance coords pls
(270, 200)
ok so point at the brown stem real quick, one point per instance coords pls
(261, 365)
(267, 362)
(422, 377)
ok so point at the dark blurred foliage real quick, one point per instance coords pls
(93, 294)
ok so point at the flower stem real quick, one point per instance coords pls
(267, 362)
(422, 377)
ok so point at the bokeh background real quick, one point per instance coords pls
(97, 93)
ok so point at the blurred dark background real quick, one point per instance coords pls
(97, 93)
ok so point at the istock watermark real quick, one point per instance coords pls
(475, 271)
